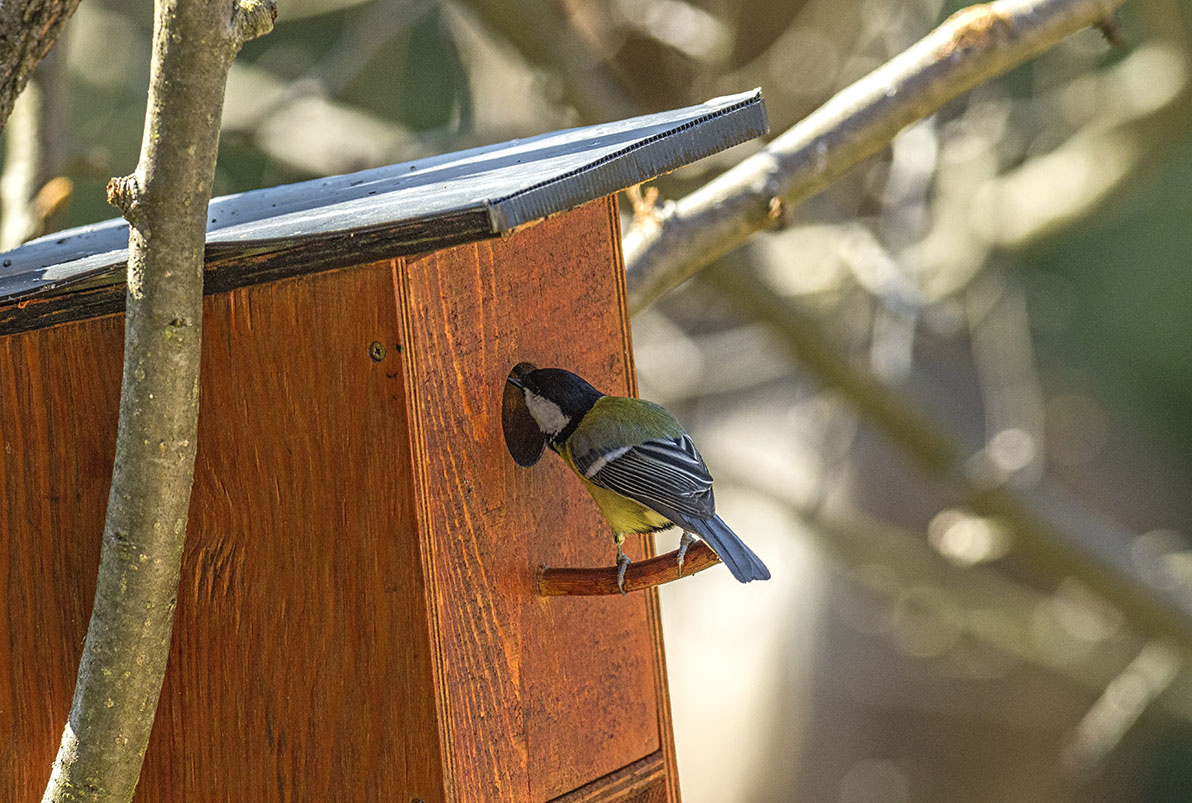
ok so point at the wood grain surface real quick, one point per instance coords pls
(643, 781)
(357, 617)
(59, 397)
(542, 695)
(301, 657)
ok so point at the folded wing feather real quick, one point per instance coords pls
(666, 475)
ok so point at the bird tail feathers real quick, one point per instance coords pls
(731, 550)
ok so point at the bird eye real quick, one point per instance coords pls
(520, 375)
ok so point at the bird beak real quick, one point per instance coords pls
(519, 373)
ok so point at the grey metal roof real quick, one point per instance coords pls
(405, 208)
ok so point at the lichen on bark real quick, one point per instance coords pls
(165, 201)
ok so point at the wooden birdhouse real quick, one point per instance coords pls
(357, 618)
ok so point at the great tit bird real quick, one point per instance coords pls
(636, 461)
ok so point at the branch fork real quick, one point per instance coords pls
(252, 18)
(970, 47)
(124, 193)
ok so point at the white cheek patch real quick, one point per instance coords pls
(604, 460)
(546, 413)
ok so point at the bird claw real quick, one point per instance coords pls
(623, 562)
(684, 542)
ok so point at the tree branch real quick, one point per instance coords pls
(972, 46)
(28, 30)
(165, 201)
(640, 575)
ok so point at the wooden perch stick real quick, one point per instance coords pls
(640, 575)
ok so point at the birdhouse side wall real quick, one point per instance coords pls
(356, 617)
(300, 667)
(541, 696)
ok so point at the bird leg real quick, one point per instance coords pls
(623, 562)
(685, 541)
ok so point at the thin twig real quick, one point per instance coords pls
(972, 46)
(640, 575)
(165, 202)
(1118, 708)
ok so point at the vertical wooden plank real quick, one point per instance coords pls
(542, 695)
(59, 396)
(300, 668)
(301, 620)
(303, 666)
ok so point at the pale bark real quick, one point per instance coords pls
(28, 29)
(165, 201)
(974, 45)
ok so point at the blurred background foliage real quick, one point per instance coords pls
(1013, 270)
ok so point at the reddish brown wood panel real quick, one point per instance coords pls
(301, 665)
(542, 695)
(310, 661)
(59, 393)
(643, 781)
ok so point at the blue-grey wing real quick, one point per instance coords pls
(666, 475)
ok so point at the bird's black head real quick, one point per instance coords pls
(556, 398)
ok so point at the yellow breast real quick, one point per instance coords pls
(623, 514)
